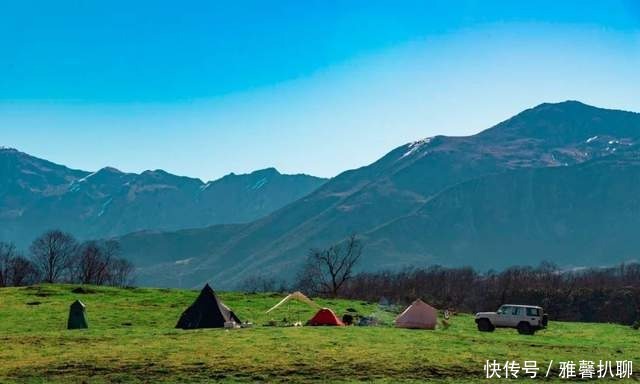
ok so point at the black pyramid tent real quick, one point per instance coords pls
(206, 312)
(77, 316)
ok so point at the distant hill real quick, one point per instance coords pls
(556, 182)
(36, 195)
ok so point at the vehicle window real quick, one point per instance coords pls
(504, 310)
(517, 311)
(533, 312)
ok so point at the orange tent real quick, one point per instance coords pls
(418, 315)
(325, 316)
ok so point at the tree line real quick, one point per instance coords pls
(57, 257)
(590, 294)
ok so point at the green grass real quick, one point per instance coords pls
(132, 339)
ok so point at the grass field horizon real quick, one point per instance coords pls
(132, 339)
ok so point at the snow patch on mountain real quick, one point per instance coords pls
(184, 261)
(104, 207)
(84, 179)
(415, 146)
(259, 184)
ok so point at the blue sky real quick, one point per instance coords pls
(207, 88)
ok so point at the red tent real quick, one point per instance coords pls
(325, 316)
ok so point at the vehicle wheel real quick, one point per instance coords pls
(484, 325)
(525, 328)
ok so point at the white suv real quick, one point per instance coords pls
(527, 319)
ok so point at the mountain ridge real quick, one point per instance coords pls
(399, 183)
(37, 195)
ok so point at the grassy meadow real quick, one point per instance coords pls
(132, 339)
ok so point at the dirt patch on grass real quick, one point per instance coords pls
(40, 291)
(44, 293)
(83, 290)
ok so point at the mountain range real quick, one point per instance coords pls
(558, 182)
(37, 195)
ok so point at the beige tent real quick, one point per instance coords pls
(297, 314)
(297, 295)
(418, 315)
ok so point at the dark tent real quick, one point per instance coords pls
(206, 312)
(77, 316)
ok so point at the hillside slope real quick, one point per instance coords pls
(586, 214)
(369, 200)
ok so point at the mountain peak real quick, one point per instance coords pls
(111, 170)
(271, 171)
(266, 172)
(155, 172)
(565, 122)
(10, 151)
(566, 103)
(567, 106)
(101, 176)
(160, 174)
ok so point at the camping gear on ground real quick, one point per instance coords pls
(347, 319)
(367, 321)
(207, 312)
(325, 316)
(77, 316)
(419, 315)
(298, 296)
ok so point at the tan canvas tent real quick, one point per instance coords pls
(297, 295)
(297, 314)
(418, 315)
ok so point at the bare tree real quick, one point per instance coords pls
(121, 273)
(97, 262)
(327, 270)
(53, 253)
(56, 257)
(22, 272)
(15, 270)
(111, 248)
(92, 264)
(7, 252)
